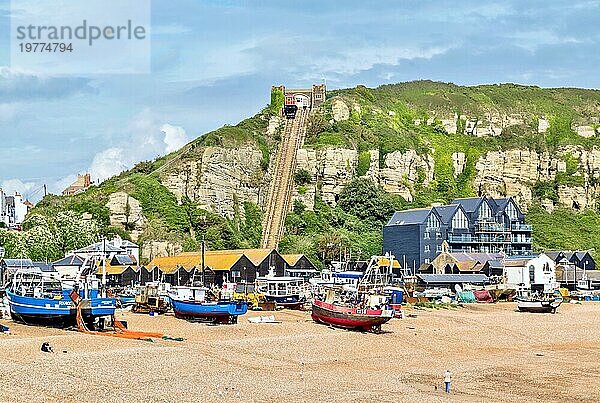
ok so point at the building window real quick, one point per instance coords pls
(426, 235)
(427, 261)
(460, 220)
(532, 274)
(438, 248)
(426, 249)
(511, 211)
(485, 211)
(318, 96)
(438, 235)
(432, 221)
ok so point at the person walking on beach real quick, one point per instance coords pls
(447, 380)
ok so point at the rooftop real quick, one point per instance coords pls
(412, 216)
(453, 278)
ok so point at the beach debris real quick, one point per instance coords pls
(263, 319)
(4, 329)
(172, 338)
(539, 354)
(46, 347)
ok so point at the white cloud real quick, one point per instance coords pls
(109, 162)
(534, 39)
(175, 137)
(10, 186)
(354, 60)
(144, 138)
(61, 184)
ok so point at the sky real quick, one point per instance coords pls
(213, 63)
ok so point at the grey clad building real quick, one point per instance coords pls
(478, 224)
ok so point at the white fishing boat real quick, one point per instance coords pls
(537, 302)
(288, 292)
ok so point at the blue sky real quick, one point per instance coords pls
(213, 63)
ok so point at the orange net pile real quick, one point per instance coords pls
(120, 330)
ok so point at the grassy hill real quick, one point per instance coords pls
(387, 118)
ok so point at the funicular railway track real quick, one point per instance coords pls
(280, 189)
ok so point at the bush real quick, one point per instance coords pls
(299, 207)
(302, 177)
(277, 101)
(364, 199)
(364, 163)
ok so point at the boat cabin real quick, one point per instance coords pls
(279, 286)
(37, 284)
(197, 294)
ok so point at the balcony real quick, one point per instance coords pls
(525, 240)
(491, 226)
(521, 227)
(482, 238)
(462, 238)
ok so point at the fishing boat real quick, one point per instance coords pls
(538, 302)
(195, 303)
(363, 308)
(126, 298)
(288, 292)
(350, 315)
(41, 297)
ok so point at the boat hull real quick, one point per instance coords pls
(350, 318)
(538, 306)
(220, 312)
(289, 302)
(43, 308)
(125, 301)
(56, 312)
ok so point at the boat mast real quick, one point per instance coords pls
(202, 262)
(103, 267)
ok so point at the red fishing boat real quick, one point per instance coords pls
(369, 320)
(364, 307)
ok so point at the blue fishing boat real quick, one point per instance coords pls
(194, 303)
(126, 298)
(41, 297)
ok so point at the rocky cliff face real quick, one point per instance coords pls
(226, 176)
(514, 172)
(126, 213)
(332, 168)
(220, 179)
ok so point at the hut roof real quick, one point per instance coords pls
(292, 259)
(384, 261)
(256, 256)
(112, 270)
(190, 260)
(220, 261)
(170, 264)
